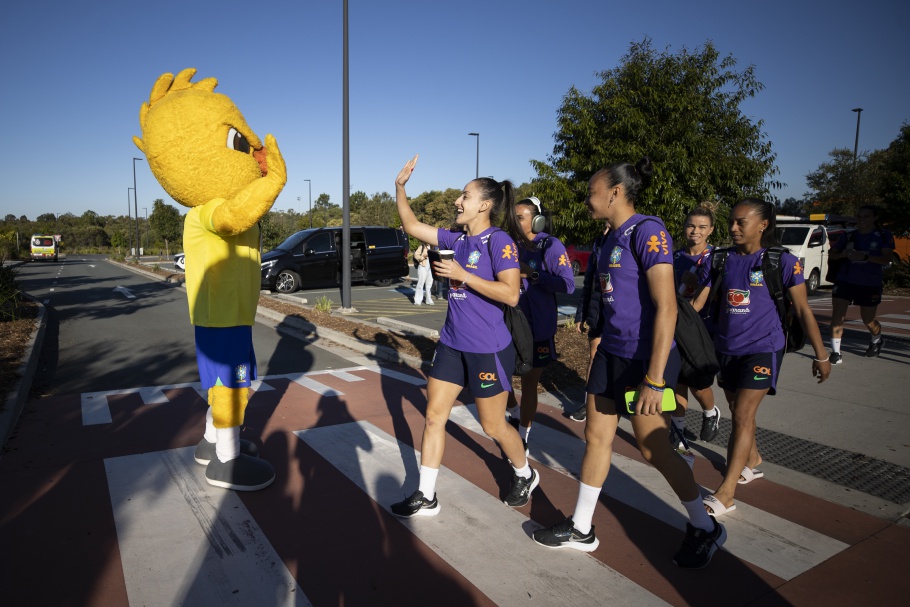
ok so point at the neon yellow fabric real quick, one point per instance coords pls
(222, 271)
(228, 405)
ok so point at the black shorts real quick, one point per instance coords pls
(485, 375)
(858, 295)
(750, 371)
(544, 352)
(611, 376)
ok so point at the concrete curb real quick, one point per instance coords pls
(15, 402)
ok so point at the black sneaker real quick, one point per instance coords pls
(245, 473)
(565, 535)
(520, 494)
(416, 505)
(835, 358)
(699, 546)
(579, 415)
(875, 348)
(710, 424)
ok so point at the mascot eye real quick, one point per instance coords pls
(238, 142)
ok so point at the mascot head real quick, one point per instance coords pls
(198, 145)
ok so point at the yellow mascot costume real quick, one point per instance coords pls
(204, 154)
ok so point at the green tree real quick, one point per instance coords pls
(680, 109)
(895, 183)
(166, 224)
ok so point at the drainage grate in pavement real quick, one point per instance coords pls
(854, 470)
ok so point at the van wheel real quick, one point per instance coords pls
(813, 282)
(288, 281)
(384, 282)
(576, 268)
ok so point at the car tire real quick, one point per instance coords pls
(813, 282)
(287, 281)
(384, 282)
(576, 268)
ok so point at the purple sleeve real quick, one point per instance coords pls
(446, 238)
(505, 252)
(653, 244)
(793, 270)
(559, 277)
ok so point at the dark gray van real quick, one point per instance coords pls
(310, 258)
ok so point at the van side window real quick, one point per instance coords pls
(320, 243)
(382, 238)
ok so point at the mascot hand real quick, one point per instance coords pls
(243, 211)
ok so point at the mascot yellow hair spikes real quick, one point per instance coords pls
(205, 155)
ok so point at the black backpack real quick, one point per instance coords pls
(698, 361)
(520, 329)
(773, 274)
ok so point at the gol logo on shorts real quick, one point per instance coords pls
(487, 376)
(762, 370)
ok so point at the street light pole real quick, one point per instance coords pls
(129, 216)
(858, 111)
(477, 169)
(136, 208)
(146, 211)
(310, 188)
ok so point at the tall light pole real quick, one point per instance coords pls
(310, 187)
(146, 210)
(858, 111)
(129, 215)
(477, 170)
(136, 208)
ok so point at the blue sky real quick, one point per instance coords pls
(422, 76)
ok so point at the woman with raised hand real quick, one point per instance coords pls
(545, 271)
(749, 337)
(475, 347)
(636, 349)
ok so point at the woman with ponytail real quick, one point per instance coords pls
(475, 347)
(636, 354)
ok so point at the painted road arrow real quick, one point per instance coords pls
(126, 292)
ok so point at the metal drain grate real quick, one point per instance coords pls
(854, 470)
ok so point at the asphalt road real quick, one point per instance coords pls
(138, 331)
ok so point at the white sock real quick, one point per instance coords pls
(210, 434)
(711, 412)
(514, 412)
(523, 472)
(835, 344)
(698, 516)
(876, 338)
(584, 507)
(524, 432)
(679, 422)
(227, 445)
(428, 482)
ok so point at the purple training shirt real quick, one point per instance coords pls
(475, 323)
(628, 310)
(538, 300)
(747, 321)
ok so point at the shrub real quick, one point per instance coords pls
(323, 304)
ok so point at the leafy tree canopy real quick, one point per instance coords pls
(166, 222)
(680, 109)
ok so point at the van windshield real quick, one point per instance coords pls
(792, 235)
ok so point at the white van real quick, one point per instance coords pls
(810, 239)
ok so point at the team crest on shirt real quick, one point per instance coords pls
(510, 251)
(797, 268)
(473, 258)
(564, 259)
(240, 373)
(532, 263)
(615, 256)
(756, 278)
(606, 285)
